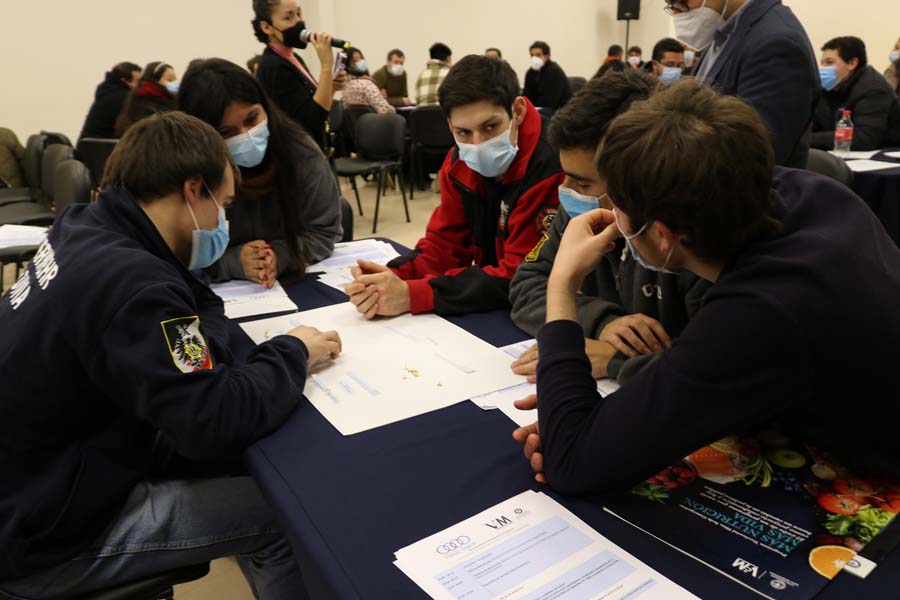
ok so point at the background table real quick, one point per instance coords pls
(348, 503)
(881, 191)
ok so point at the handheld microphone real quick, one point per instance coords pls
(306, 35)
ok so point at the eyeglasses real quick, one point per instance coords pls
(674, 7)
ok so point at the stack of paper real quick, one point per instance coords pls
(864, 166)
(248, 299)
(529, 548)
(12, 236)
(855, 154)
(336, 268)
(393, 369)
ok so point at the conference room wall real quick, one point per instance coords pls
(54, 60)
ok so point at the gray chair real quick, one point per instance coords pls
(55, 137)
(94, 152)
(71, 184)
(31, 167)
(54, 155)
(576, 83)
(26, 213)
(829, 165)
(380, 142)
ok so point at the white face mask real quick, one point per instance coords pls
(634, 60)
(536, 63)
(395, 69)
(697, 27)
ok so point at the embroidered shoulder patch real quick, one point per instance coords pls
(544, 219)
(536, 251)
(188, 348)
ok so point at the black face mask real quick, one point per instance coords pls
(291, 36)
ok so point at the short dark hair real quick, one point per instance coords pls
(542, 46)
(615, 50)
(476, 78)
(155, 70)
(395, 52)
(848, 48)
(700, 162)
(159, 153)
(583, 121)
(123, 70)
(440, 52)
(262, 11)
(497, 50)
(254, 61)
(635, 49)
(613, 66)
(666, 45)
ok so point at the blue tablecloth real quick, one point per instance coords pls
(881, 191)
(348, 503)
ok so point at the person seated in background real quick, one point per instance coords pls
(287, 209)
(635, 58)
(615, 52)
(628, 313)
(154, 93)
(849, 82)
(430, 80)
(253, 64)
(12, 153)
(790, 254)
(546, 84)
(391, 79)
(668, 61)
(758, 51)
(109, 98)
(119, 466)
(498, 197)
(361, 89)
(494, 53)
(614, 66)
(892, 73)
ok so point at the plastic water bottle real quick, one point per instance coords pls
(843, 133)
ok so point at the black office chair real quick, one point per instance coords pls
(346, 220)
(54, 155)
(34, 211)
(71, 184)
(55, 137)
(336, 140)
(430, 135)
(576, 83)
(351, 116)
(31, 167)
(829, 165)
(380, 143)
(94, 152)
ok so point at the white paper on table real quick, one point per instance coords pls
(863, 166)
(248, 299)
(12, 236)
(338, 280)
(393, 369)
(892, 154)
(347, 253)
(530, 548)
(504, 400)
(519, 348)
(855, 155)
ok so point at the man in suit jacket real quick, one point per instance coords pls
(756, 50)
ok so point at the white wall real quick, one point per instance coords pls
(55, 54)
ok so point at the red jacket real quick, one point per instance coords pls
(477, 238)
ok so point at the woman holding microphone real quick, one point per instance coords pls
(283, 73)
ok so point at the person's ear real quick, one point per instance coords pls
(664, 238)
(268, 29)
(853, 64)
(192, 190)
(520, 109)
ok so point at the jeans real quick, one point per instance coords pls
(166, 525)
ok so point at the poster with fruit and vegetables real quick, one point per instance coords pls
(776, 515)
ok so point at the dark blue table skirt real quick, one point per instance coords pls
(881, 191)
(348, 503)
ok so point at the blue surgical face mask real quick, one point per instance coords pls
(829, 78)
(577, 204)
(249, 149)
(173, 87)
(361, 66)
(689, 56)
(493, 157)
(894, 56)
(637, 255)
(670, 75)
(208, 246)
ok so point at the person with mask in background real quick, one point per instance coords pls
(849, 82)
(494, 53)
(361, 89)
(287, 212)
(430, 80)
(668, 61)
(892, 74)
(629, 313)
(756, 50)
(546, 84)
(391, 79)
(126, 463)
(154, 93)
(109, 98)
(283, 73)
(498, 197)
(635, 58)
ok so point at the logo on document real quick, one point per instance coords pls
(188, 348)
(746, 567)
(453, 545)
(499, 523)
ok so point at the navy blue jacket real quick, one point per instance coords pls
(111, 348)
(770, 64)
(801, 327)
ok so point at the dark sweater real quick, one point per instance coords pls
(801, 327)
(292, 92)
(108, 101)
(111, 350)
(549, 87)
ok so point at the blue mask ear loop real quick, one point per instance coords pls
(191, 210)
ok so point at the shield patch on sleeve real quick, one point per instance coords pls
(188, 348)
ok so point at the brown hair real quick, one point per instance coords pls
(158, 154)
(697, 161)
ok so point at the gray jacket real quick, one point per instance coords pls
(260, 219)
(617, 287)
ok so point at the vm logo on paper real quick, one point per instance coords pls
(746, 567)
(499, 523)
